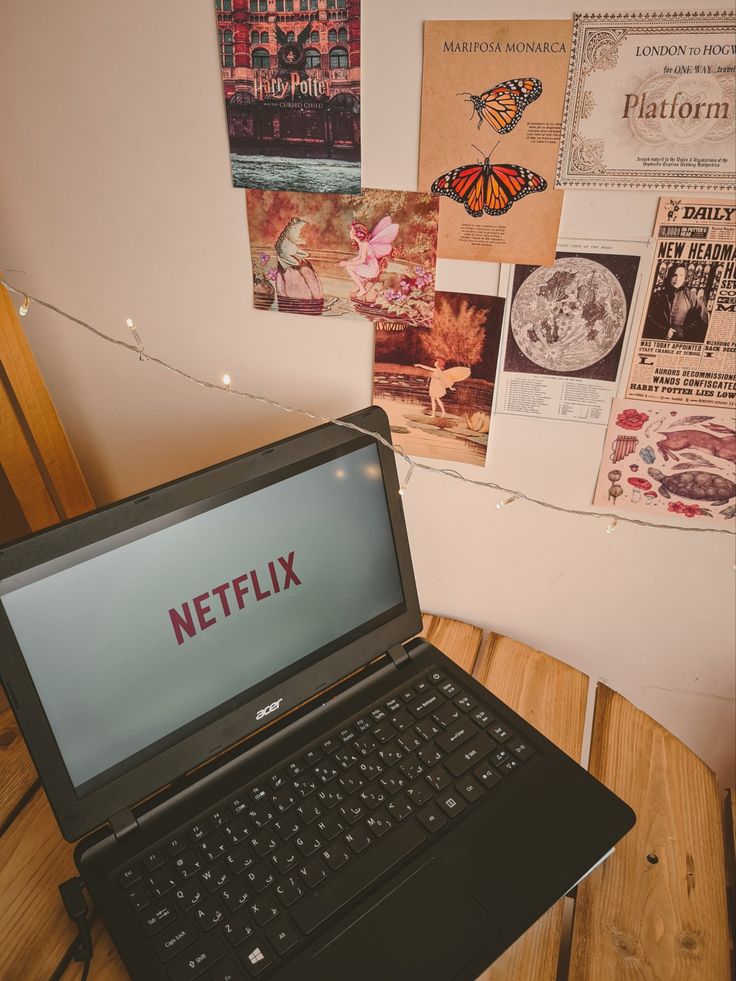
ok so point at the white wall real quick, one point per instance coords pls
(116, 201)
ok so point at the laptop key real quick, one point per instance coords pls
(437, 778)
(289, 890)
(175, 846)
(234, 896)
(263, 909)
(208, 914)
(427, 728)
(482, 718)
(313, 872)
(283, 936)
(336, 855)
(284, 859)
(187, 863)
(238, 929)
(487, 775)
(357, 876)
(419, 794)
(153, 860)
(177, 936)
(432, 818)
(519, 748)
(287, 827)
(470, 788)
(451, 803)
(129, 877)
(307, 844)
(256, 958)
(448, 714)
(260, 877)
(358, 839)
(138, 898)
(470, 755)
(379, 822)
(157, 918)
(456, 735)
(426, 704)
(227, 971)
(399, 808)
(189, 895)
(330, 826)
(198, 957)
(161, 882)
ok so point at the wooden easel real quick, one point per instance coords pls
(35, 453)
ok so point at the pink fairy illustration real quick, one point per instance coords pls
(441, 380)
(374, 248)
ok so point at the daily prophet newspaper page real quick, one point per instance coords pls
(686, 344)
(650, 102)
(492, 94)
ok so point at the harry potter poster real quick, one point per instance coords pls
(492, 95)
(291, 81)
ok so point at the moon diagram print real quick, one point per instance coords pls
(568, 316)
(566, 331)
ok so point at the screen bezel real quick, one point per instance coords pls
(79, 813)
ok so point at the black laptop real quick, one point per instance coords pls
(217, 686)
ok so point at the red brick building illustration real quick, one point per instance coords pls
(291, 76)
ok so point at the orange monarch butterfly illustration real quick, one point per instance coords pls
(502, 105)
(487, 187)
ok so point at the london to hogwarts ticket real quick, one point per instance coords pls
(650, 102)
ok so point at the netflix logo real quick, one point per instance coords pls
(203, 611)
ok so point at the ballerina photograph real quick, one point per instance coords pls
(366, 257)
(436, 383)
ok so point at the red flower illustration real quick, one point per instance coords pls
(631, 419)
(686, 510)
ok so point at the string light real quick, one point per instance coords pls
(130, 323)
(24, 305)
(509, 500)
(515, 495)
(226, 381)
(402, 489)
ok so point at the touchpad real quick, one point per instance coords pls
(428, 927)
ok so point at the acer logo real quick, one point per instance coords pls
(268, 709)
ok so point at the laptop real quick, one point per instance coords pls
(271, 776)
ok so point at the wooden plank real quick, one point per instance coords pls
(552, 696)
(39, 413)
(459, 641)
(22, 470)
(656, 910)
(18, 771)
(34, 859)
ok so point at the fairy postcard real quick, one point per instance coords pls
(436, 382)
(665, 460)
(370, 256)
(492, 98)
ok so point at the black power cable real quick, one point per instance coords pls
(72, 896)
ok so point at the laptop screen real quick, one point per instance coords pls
(137, 640)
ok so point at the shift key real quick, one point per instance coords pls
(197, 958)
(470, 755)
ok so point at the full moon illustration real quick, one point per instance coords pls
(569, 315)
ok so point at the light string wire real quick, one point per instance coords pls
(514, 495)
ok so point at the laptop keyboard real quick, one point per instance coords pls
(235, 894)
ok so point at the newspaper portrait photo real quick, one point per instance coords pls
(686, 345)
(650, 102)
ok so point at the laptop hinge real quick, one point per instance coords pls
(398, 655)
(123, 823)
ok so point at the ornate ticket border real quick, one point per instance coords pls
(613, 28)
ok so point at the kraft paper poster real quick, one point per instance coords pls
(492, 96)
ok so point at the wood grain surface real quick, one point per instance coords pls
(655, 910)
(16, 769)
(552, 696)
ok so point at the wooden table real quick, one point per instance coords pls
(655, 911)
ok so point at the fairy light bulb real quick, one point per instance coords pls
(24, 306)
(130, 323)
(402, 489)
(226, 381)
(612, 527)
(504, 504)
